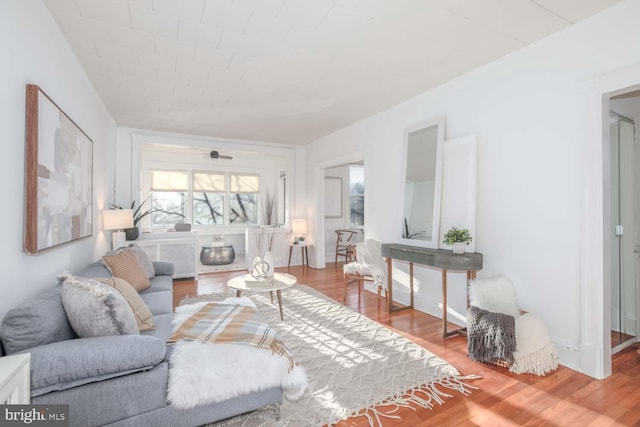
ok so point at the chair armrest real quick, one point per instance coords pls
(163, 268)
(67, 364)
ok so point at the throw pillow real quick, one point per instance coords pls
(126, 266)
(140, 310)
(94, 309)
(141, 255)
(494, 294)
(143, 258)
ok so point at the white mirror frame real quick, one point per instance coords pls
(437, 193)
(459, 187)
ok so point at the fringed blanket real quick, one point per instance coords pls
(219, 323)
(491, 336)
(247, 355)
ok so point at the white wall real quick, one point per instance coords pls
(35, 51)
(530, 111)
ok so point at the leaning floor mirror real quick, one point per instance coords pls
(423, 154)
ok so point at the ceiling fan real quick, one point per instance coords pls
(215, 155)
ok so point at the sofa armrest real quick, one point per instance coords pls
(71, 363)
(163, 268)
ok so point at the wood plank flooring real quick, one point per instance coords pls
(564, 398)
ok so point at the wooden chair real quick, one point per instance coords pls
(367, 266)
(345, 246)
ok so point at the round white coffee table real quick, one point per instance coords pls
(248, 283)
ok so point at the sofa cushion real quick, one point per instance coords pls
(163, 268)
(67, 364)
(141, 312)
(97, 269)
(164, 328)
(158, 302)
(37, 321)
(126, 266)
(159, 284)
(94, 309)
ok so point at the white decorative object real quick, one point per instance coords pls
(15, 383)
(269, 265)
(458, 247)
(260, 268)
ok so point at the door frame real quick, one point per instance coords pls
(619, 119)
(319, 259)
(595, 324)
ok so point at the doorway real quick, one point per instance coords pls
(625, 221)
(344, 197)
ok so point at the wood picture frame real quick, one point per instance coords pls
(333, 197)
(58, 176)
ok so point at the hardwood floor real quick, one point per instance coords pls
(563, 398)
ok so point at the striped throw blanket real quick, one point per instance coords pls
(219, 323)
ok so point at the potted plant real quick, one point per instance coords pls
(457, 238)
(138, 214)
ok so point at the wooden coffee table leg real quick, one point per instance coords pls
(237, 294)
(280, 303)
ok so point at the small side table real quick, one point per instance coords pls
(15, 381)
(247, 283)
(303, 250)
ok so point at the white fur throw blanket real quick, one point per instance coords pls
(201, 374)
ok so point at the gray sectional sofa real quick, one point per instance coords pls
(111, 380)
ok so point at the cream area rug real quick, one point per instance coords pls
(353, 364)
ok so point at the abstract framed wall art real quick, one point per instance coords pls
(59, 176)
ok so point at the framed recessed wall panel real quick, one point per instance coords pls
(333, 197)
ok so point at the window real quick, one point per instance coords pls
(243, 199)
(168, 194)
(203, 198)
(208, 198)
(356, 195)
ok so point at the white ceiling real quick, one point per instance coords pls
(289, 71)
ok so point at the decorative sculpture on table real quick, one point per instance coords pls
(263, 268)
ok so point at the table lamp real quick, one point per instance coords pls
(117, 220)
(299, 230)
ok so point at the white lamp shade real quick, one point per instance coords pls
(299, 226)
(117, 219)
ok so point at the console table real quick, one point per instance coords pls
(441, 259)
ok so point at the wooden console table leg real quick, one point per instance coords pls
(290, 250)
(389, 284)
(279, 293)
(411, 284)
(444, 303)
